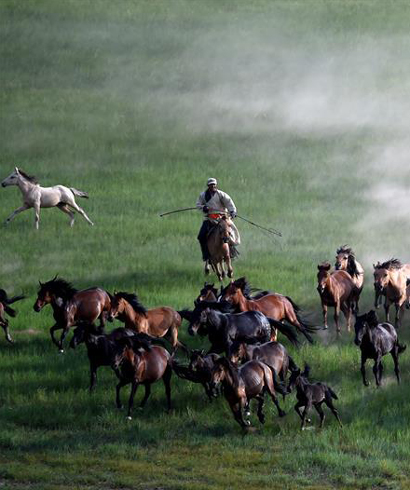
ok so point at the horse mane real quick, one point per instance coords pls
(222, 306)
(244, 286)
(30, 178)
(133, 301)
(60, 287)
(389, 264)
(344, 249)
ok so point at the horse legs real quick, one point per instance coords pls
(363, 369)
(261, 415)
(93, 376)
(64, 208)
(347, 312)
(324, 311)
(63, 336)
(386, 309)
(378, 369)
(321, 413)
(81, 211)
(147, 394)
(5, 325)
(308, 406)
(399, 314)
(52, 330)
(237, 413)
(19, 210)
(329, 403)
(134, 388)
(37, 214)
(395, 355)
(117, 390)
(336, 317)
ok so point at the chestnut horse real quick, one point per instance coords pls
(218, 246)
(157, 322)
(336, 289)
(72, 307)
(346, 261)
(390, 279)
(272, 305)
(5, 301)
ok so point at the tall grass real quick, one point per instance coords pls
(300, 109)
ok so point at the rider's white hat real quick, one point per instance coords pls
(211, 180)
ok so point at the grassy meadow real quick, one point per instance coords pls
(300, 109)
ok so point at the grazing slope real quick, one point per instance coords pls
(301, 110)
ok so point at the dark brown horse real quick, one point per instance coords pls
(375, 341)
(207, 293)
(5, 301)
(336, 289)
(202, 365)
(276, 306)
(273, 354)
(240, 385)
(72, 307)
(138, 366)
(157, 322)
(390, 279)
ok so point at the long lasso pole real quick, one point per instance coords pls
(177, 211)
(269, 230)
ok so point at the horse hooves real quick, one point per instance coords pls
(129, 417)
(325, 327)
(250, 430)
(282, 413)
(61, 351)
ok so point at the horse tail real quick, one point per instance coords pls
(295, 306)
(186, 314)
(287, 330)
(10, 311)
(8, 301)
(306, 327)
(272, 382)
(402, 347)
(78, 193)
(332, 393)
(292, 364)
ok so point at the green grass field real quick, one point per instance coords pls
(301, 110)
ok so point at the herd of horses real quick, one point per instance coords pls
(245, 360)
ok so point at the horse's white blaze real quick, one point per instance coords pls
(35, 196)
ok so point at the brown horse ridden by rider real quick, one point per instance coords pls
(375, 341)
(311, 395)
(240, 385)
(72, 307)
(5, 301)
(162, 321)
(336, 289)
(143, 366)
(276, 306)
(390, 279)
(219, 249)
(346, 261)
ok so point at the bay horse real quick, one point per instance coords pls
(336, 289)
(35, 196)
(162, 321)
(5, 301)
(390, 279)
(240, 385)
(276, 306)
(224, 328)
(202, 365)
(311, 394)
(375, 341)
(346, 261)
(218, 242)
(71, 307)
(139, 366)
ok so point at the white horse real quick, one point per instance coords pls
(35, 196)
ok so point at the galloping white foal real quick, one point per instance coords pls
(35, 196)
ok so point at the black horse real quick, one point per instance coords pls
(375, 341)
(224, 328)
(105, 349)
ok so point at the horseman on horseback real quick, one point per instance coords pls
(216, 204)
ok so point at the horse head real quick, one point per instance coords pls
(343, 256)
(323, 276)
(197, 360)
(237, 352)
(363, 326)
(224, 229)
(381, 278)
(12, 179)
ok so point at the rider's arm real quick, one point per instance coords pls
(201, 202)
(227, 202)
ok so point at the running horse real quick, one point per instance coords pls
(72, 307)
(276, 306)
(35, 196)
(390, 279)
(219, 238)
(162, 321)
(337, 289)
(346, 261)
